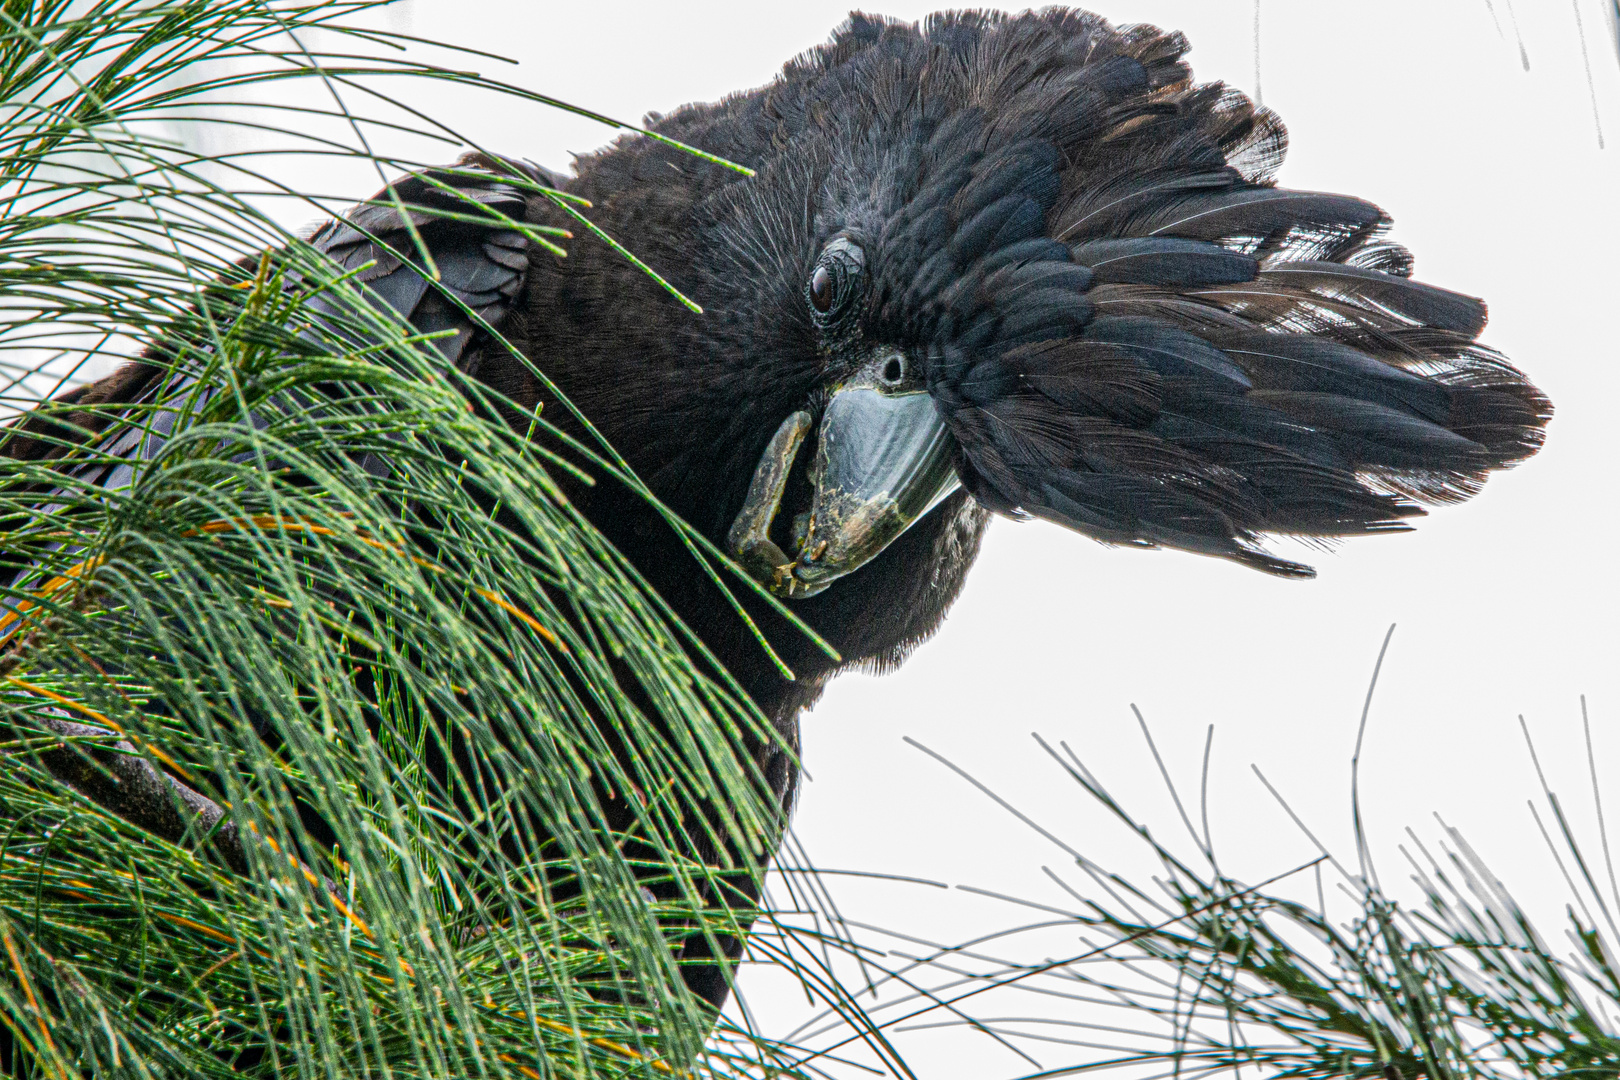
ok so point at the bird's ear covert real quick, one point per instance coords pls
(836, 282)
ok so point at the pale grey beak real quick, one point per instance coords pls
(882, 460)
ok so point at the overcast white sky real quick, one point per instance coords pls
(1505, 606)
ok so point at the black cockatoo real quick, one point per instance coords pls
(985, 265)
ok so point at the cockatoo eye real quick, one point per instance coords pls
(837, 282)
(821, 290)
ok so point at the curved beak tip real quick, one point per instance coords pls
(881, 462)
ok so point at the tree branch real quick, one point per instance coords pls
(116, 777)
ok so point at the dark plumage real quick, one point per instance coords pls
(1041, 223)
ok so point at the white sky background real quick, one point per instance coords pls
(1504, 605)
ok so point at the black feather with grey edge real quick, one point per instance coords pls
(1078, 253)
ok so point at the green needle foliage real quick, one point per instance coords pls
(1317, 973)
(309, 722)
(1175, 967)
(1224, 976)
(338, 572)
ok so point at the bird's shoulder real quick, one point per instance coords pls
(445, 248)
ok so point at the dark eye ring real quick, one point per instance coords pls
(835, 283)
(821, 290)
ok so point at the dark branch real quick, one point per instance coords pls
(116, 777)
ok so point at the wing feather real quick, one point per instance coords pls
(462, 216)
